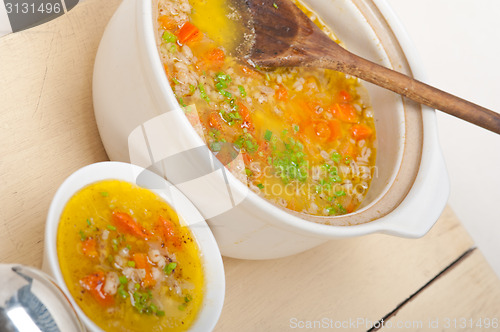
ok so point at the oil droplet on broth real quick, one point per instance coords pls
(221, 21)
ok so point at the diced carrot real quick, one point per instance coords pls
(214, 120)
(335, 129)
(360, 131)
(326, 130)
(344, 96)
(306, 128)
(313, 132)
(305, 114)
(322, 130)
(297, 112)
(216, 55)
(245, 116)
(345, 112)
(166, 22)
(94, 284)
(309, 109)
(350, 207)
(307, 132)
(89, 247)
(348, 150)
(126, 224)
(263, 151)
(212, 59)
(167, 73)
(249, 71)
(166, 230)
(189, 33)
(281, 93)
(247, 159)
(142, 262)
(244, 112)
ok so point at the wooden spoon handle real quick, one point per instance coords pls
(420, 92)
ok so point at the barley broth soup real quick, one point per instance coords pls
(126, 260)
(306, 135)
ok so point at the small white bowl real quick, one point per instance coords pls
(211, 258)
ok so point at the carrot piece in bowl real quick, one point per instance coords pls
(126, 224)
(188, 33)
(94, 284)
(360, 131)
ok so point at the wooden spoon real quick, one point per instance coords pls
(285, 37)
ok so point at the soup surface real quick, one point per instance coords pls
(306, 135)
(127, 261)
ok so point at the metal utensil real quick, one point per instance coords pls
(31, 301)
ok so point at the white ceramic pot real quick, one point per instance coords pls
(141, 122)
(214, 287)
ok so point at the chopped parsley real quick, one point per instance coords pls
(247, 142)
(169, 37)
(290, 163)
(340, 193)
(230, 117)
(122, 292)
(203, 93)
(181, 102)
(336, 157)
(143, 302)
(222, 83)
(267, 135)
(169, 268)
(243, 93)
(331, 210)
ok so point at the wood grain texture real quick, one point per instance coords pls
(46, 119)
(48, 131)
(363, 277)
(473, 289)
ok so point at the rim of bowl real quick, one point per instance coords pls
(214, 285)
(287, 219)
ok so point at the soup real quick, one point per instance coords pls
(306, 135)
(127, 261)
